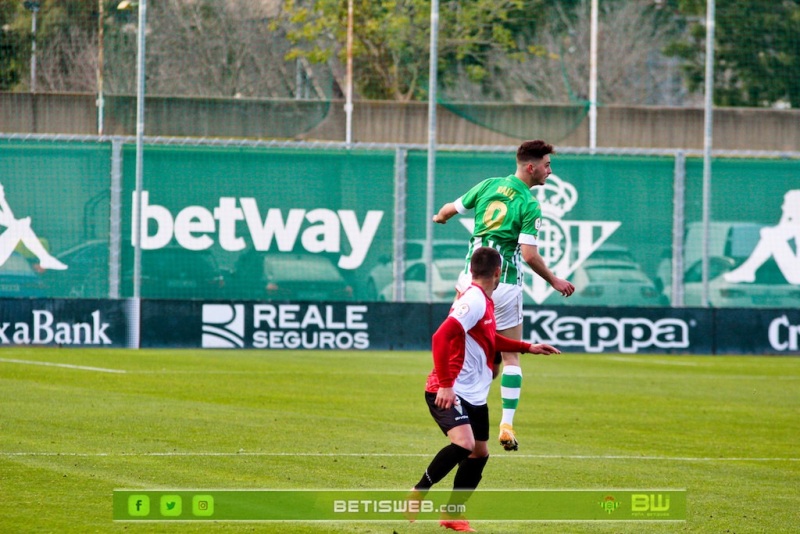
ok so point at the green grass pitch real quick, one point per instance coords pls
(725, 428)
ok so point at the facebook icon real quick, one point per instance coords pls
(138, 505)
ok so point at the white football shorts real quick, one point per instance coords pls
(507, 301)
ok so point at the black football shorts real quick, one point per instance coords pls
(461, 413)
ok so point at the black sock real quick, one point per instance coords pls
(444, 462)
(468, 476)
(470, 473)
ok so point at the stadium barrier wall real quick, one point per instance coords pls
(194, 324)
(390, 122)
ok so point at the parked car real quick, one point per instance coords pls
(174, 272)
(445, 275)
(18, 278)
(769, 290)
(612, 283)
(727, 239)
(608, 253)
(86, 275)
(730, 239)
(289, 276)
(610, 276)
(730, 244)
(382, 275)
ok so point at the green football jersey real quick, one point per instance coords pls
(504, 210)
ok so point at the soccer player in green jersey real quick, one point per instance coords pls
(507, 218)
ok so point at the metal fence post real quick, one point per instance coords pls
(678, 224)
(400, 186)
(115, 215)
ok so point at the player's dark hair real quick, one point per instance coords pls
(533, 150)
(484, 262)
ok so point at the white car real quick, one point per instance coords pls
(445, 275)
(730, 244)
(382, 275)
(770, 289)
(725, 239)
(612, 283)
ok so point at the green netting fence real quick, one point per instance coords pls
(301, 222)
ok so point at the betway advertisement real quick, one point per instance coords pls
(317, 230)
(258, 224)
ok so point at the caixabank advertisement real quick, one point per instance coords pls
(68, 322)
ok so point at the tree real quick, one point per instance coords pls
(554, 65)
(66, 43)
(11, 47)
(213, 48)
(197, 48)
(391, 40)
(757, 51)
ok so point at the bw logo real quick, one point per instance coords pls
(223, 326)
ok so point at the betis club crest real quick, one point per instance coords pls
(563, 244)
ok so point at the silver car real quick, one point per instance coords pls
(445, 275)
(613, 283)
(769, 290)
(382, 275)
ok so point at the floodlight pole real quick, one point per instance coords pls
(348, 106)
(432, 82)
(593, 78)
(707, 144)
(100, 102)
(33, 6)
(137, 212)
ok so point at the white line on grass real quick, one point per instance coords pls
(404, 455)
(64, 365)
(652, 360)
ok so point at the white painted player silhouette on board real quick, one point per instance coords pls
(20, 231)
(776, 242)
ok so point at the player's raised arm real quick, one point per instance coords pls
(446, 213)
(506, 344)
(531, 256)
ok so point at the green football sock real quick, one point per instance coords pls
(510, 386)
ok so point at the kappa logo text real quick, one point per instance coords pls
(596, 334)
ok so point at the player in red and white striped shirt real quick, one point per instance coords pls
(464, 349)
